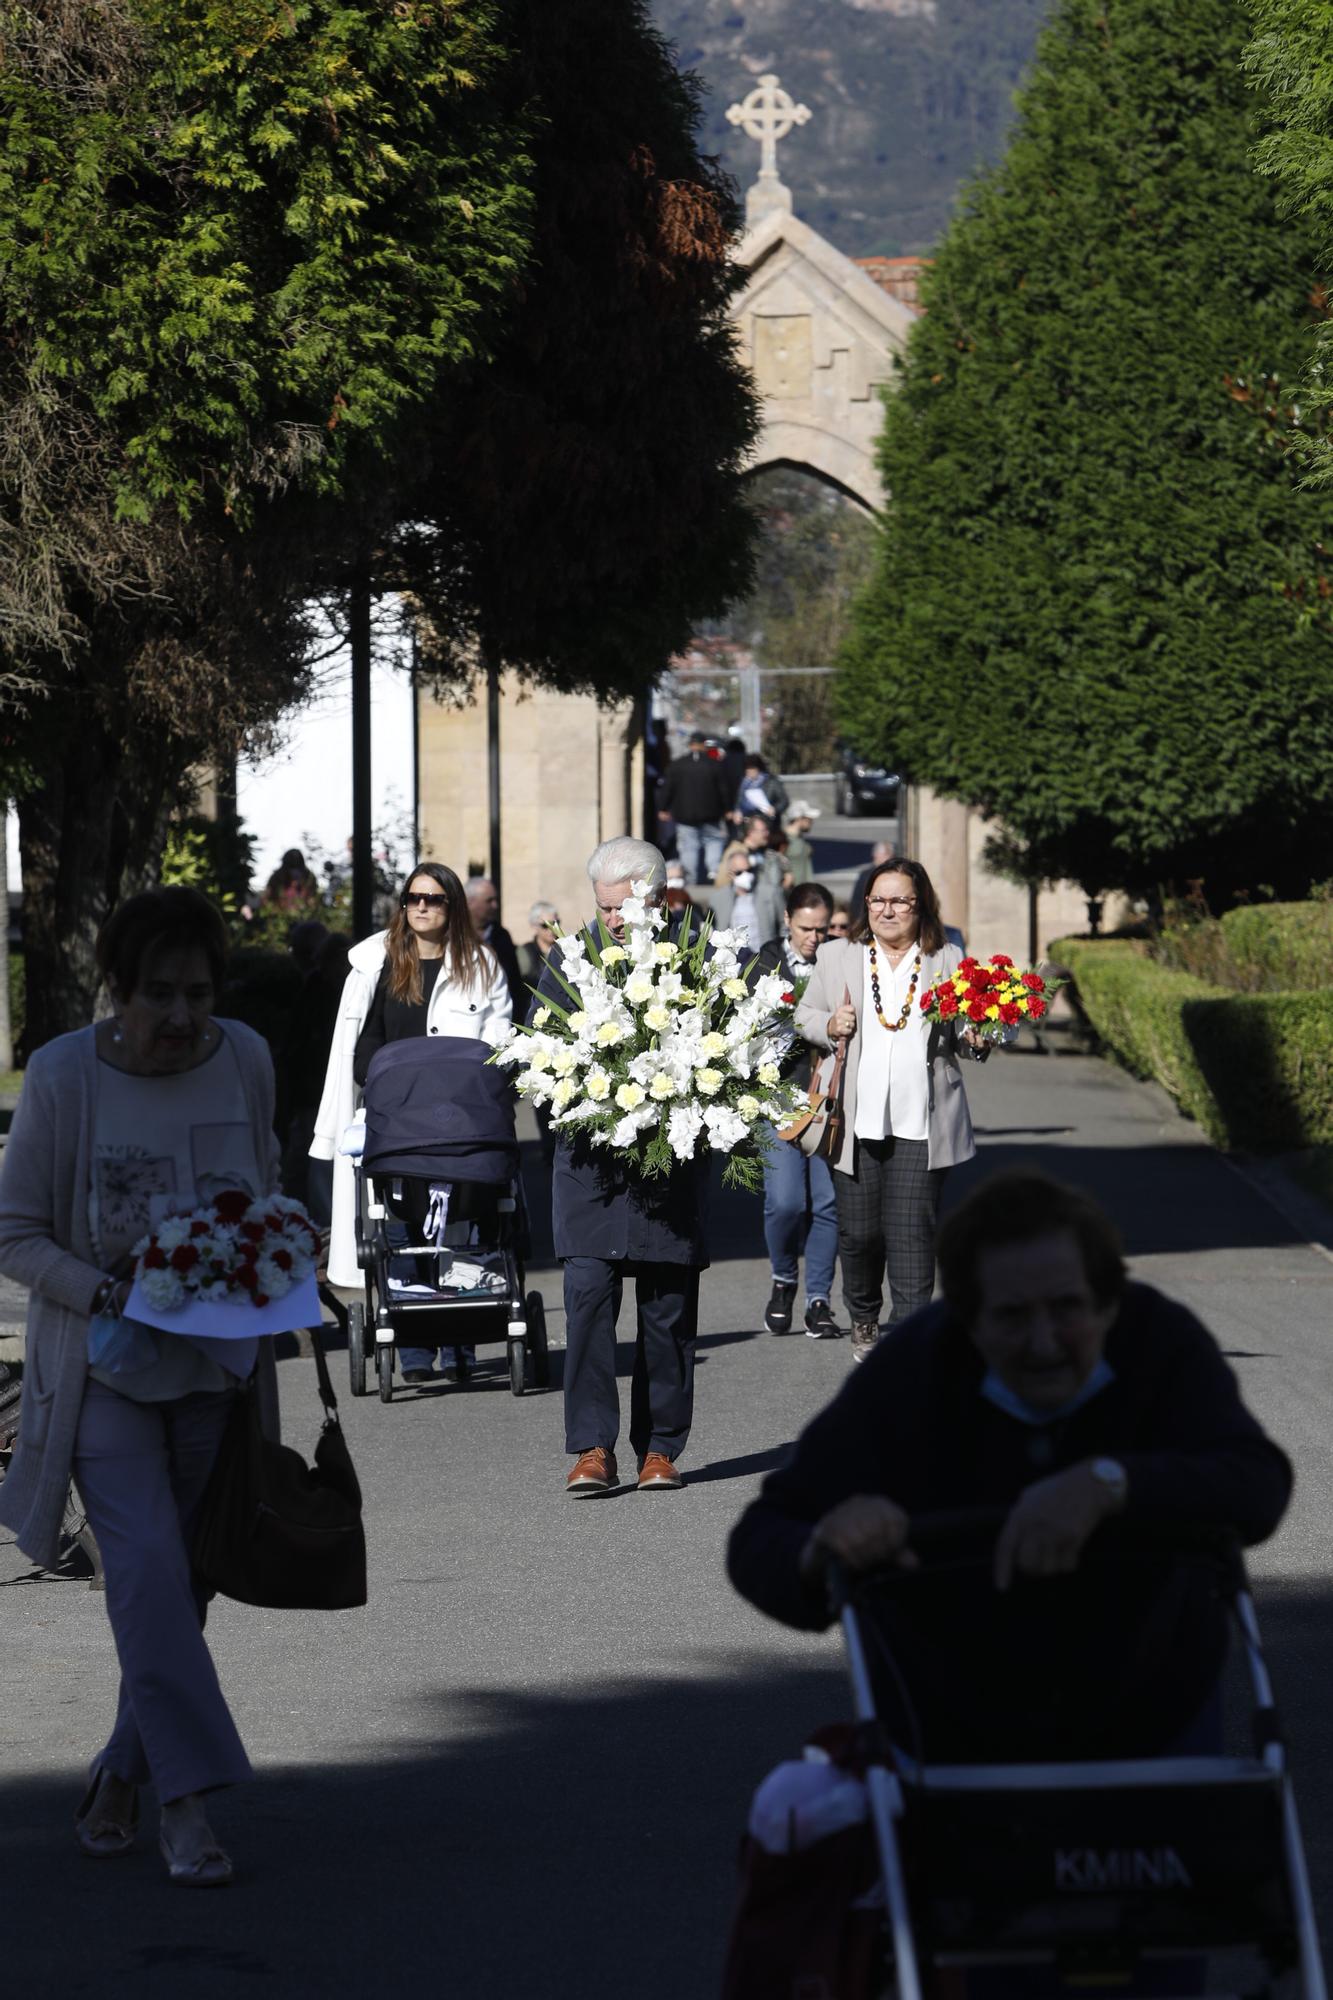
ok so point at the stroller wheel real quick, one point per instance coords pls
(384, 1366)
(518, 1366)
(541, 1359)
(356, 1348)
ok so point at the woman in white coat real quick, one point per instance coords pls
(427, 974)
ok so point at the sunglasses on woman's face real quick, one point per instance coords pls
(422, 900)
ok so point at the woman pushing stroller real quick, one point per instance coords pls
(428, 974)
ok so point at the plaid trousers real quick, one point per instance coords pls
(887, 1213)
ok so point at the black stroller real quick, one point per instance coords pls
(441, 1225)
(1116, 1873)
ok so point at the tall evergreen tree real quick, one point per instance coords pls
(1078, 622)
(1292, 56)
(279, 277)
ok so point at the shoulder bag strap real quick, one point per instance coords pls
(326, 1395)
(838, 1080)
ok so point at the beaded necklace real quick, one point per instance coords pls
(892, 1027)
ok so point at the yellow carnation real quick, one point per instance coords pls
(613, 954)
(735, 989)
(662, 1086)
(664, 953)
(564, 1060)
(714, 1045)
(710, 1081)
(578, 1021)
(769, 1074)
(657, 1019)
(541, 1017)
(630, 1096)
(598, 1085)
(609, 1034)
(639, 988)
(748, 1106)
(564, 1092)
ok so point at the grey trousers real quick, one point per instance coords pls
(887, 1213)
(141, 1469)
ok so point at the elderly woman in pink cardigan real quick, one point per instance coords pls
(116, 1123)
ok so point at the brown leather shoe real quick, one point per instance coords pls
(657, 1474)
(592, 1472)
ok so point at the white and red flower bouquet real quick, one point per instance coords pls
(992, 995)
(230, 1270)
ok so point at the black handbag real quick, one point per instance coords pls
(275, 1531)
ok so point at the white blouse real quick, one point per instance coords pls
(892, 1081)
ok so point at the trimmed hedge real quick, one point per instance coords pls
(1283, 947)
(1254, 1069)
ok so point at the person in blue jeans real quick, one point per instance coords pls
(800, 1209)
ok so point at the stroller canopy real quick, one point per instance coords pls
(436, 1108)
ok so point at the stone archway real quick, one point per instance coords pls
(821, 333)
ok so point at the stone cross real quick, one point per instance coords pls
(767, 114)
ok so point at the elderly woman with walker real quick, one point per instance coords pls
(153, 1109)
(906, 1111)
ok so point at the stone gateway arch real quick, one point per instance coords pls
(821, 332)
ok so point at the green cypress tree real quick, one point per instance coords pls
(1079, 621)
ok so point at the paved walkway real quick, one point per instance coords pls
(522, 1769)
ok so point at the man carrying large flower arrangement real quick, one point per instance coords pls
(610, 1222)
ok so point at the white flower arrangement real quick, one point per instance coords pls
(662, 1050)
(230, 1251)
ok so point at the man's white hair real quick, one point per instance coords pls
(627, 860)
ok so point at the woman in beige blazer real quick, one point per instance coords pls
(906, 1111)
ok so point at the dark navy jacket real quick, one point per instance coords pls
(601, 1208)
(1126, 1651)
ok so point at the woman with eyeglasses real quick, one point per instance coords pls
(905, 1107)
(428, 974)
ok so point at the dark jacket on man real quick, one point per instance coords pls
(506, 953)
(1132, 1646)
(600, 1207)
(696, 790)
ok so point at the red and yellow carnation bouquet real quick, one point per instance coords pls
(991, 995)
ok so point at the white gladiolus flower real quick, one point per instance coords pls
(564, 1060)
(630, 1096)
(564, 1092)
(609, 1034)
(539, 1057)
(578, 1020)
(541, 1017)
(726, 1129)
(630, 1126)
(670, 986)
(709, 1081)
(664, 953)
(597, 1085)
(683, 1128)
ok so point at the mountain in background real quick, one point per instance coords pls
(908, 98)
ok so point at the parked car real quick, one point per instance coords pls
(865, 788)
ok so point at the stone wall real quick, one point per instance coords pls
(571, 774)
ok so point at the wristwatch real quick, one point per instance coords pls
(1110, 1474)
(104, 1294)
